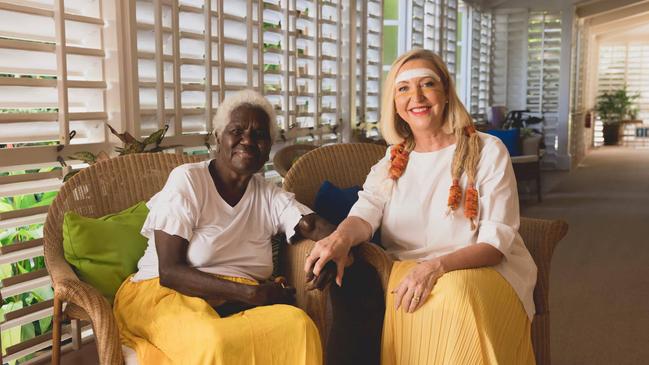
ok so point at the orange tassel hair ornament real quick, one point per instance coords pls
(398, 160)
(471, 205)
(454, 195)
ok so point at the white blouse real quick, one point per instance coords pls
(413, 214)
(225, 240)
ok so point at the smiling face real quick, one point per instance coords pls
(419, 96)
(244, 145)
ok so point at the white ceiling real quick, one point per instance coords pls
(609, 19)
(636, 33)
(529, 4)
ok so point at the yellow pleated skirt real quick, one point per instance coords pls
(166, 327)
(471, 317)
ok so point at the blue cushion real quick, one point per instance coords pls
(511, 139)
(333, 204)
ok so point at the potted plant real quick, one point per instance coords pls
(612, 108)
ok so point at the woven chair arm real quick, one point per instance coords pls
(101, 316)
(57, 267)
(377, 258)
(313, 302)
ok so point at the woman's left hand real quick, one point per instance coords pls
(414, 289)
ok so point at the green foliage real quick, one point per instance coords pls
(271, 67)
(28, 110)
(11, 236)
(615, 106)
(272, 26)
(131, 145)
(269, 45)
(269, 88)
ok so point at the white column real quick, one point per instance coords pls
(563, 125)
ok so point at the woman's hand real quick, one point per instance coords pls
(333, 248)
(271, 293)
(415, 288)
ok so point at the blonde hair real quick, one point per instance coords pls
(455, 120)
(244, 97)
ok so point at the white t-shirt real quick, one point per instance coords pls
(225, 240)
(413, 215)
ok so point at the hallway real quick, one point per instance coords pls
(599, 283)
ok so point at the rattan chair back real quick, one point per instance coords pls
(286, 157)
(344, 165)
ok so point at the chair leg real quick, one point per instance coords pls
(56, 331)
(75, 329)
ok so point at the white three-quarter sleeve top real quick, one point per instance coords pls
(413, 217)
(223, 239)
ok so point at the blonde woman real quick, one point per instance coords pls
(445, 199)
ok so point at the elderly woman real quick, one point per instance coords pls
(209, 251)
(446, 201)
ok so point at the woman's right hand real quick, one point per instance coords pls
(269, 293)
(334, 247)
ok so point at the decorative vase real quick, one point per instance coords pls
(611, 133)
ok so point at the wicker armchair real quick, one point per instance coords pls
(286, 157)
(107, 187)
(326, 163)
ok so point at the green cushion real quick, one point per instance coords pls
(104, 251)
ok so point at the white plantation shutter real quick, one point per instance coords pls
(479, 60)
(544, 56)
(612, 68)
(525, 67)
(418, 28)
(433, 25)
(449, 34)
(625, 64)
(52, 104)
(638, 76)
(620, 65)
(509, 63)
(48, 90)
(544, 37)
(369, 65)
(327, 75)
(297, 43)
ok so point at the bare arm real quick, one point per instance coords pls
(175, 273)
(478, 255)
(336, 246)
(314, 227)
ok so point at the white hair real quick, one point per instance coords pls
(244, 97)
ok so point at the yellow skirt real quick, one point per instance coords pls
(471, 317)
(166, 327)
